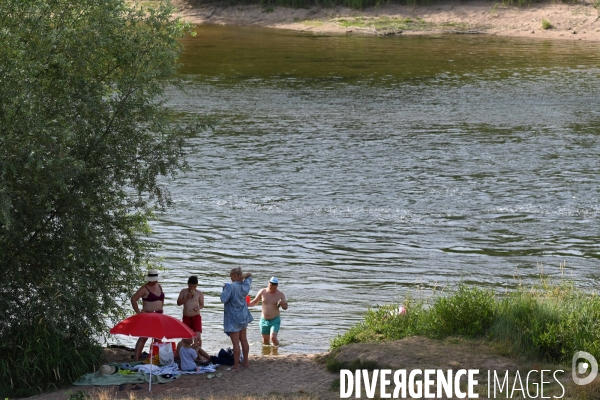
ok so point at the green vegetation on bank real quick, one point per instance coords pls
(393, 24)
(383, 23)
(546, 24)
(548, 322)
(84, 138)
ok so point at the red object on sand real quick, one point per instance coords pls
(156, 346)
(153, 325)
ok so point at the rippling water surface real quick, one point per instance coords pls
(360, 169)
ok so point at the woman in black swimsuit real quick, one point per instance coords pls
(153, 300)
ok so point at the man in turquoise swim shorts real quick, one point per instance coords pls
(272, 300)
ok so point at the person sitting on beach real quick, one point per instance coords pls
(153, 300)
(192, 301)
(188, 355)
(237, 316)
(272, 299)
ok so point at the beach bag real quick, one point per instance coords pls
(223, 358)
(227, 354)
(165, 353)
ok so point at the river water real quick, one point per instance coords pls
(360, 169)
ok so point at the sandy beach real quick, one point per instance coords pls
(302, 376)
(573, 21)
(306, 377)
(272, 375)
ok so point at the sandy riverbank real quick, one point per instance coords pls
(304, 377)
(579, 21)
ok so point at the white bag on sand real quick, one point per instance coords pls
(165, 354)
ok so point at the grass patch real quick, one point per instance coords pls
(79, 395)
(547, 322)
(146, 4)
(455, 25)
(383, 23)
(312, 22)
(398, 24)
(335, 365)
(546, 24)
(520, 3)
(43, 357)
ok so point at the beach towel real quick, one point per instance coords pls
(119, 379)
(140, 374)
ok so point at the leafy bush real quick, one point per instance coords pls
(469, 312)
(549, 322)
(552, 323)
(41, 357)
(84, 138)
(546, 24)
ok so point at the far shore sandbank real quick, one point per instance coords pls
(540, 20)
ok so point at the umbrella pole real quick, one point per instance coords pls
(151, 364)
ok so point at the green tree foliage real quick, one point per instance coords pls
(84, 138)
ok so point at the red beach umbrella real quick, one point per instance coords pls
(153, 325)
